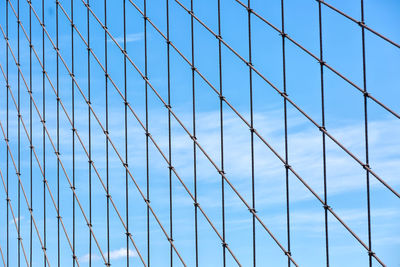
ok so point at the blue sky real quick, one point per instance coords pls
(344, 120)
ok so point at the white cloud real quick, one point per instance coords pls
(131, 37)
(114, 255)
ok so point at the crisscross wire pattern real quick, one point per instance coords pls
(199, 133)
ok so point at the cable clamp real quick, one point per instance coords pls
(168, 42)
(147, 134)
(72, 188)
(222, 97)
(125, 164)
(168, 106)
(145, 78)
(105, 132)
(107, 75)
(72, 75)
(7, 140)
(128, 234)
(57, 153)
(6, 38)
(252, 129)
(42, 24)
(371, 253)
(90, 161)
(44, 248)
(252, 210)
(171, 167)
(126, 103)
(147, 201)
(224, 244)
(8, 200)
(194, 68)
(170, 239)
(19, 115)
(17, 64)
(58, 217)
(327, 207)
(320, 61)
(72, 25)
(145, 18)
(190, 12)
(108, 196)
(104, 27)
(55, 48)
(322, 128)
(74, 257)
(18, 173)
(20, 238)
(219, 37)
(18, 22)
(287, 166)
(221, 172)
(283, 94)
(73, 129)
(30, 45)
(249, 64)
(288, 253)
(30, 209)
(283, 34)
(249, 10)
(193, 137)
(44, 181)
(44, 71)
(86, 5)
(196, 204)
(361, 23)
(366, 166)
(89, 225)
(88, 102)
(8, 86)
(366, 94)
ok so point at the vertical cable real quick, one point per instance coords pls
(126, 142)
(169, 138)
(73, 131)
(31, 139)
(253, 198)
(286, 130)
(221, 117)
(107, 163)
(147, 130)
(89, 135)
(58, 143)
(366, 133)
(321, 56)
(19, 139)
(44, 137)
(194, 136)
(7, 158)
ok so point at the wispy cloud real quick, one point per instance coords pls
(114, 255)
(130, 38)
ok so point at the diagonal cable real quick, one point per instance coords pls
(320, 60)
(321, 128)
(262, 139)
(81, 142)
(12, 212)
(57, 153)
(359, 23)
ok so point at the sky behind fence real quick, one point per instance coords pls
(276, 174)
